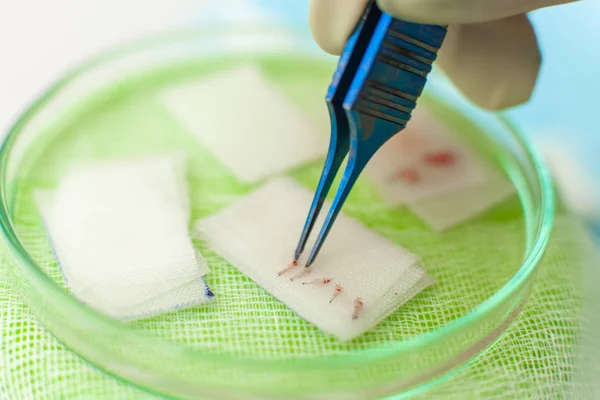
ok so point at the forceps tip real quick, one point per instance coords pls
(298, 253)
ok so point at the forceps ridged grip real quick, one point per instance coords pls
(380, 75)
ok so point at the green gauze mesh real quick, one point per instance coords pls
(534, 359)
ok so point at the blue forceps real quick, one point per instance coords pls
(379, 77)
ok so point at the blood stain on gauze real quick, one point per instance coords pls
(258, 235)
(250, 126)
(423, 161)
(120, 233)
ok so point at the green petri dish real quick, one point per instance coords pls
(246, 344)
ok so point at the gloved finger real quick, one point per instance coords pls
(495, 64)
(332, 21)
(460, 11)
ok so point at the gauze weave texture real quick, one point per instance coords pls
(120, 232)
(443, 196)
(258, 234)
(470, 262)
(239, 104)
(423, 137)
(451, 209)
(536, 358)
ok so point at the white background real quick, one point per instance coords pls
(42, 39)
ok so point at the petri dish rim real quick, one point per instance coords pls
(544, 225)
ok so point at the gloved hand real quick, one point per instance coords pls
(491, 52)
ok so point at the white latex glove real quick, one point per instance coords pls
(491, 52)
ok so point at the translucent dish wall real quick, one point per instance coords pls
(174, 368)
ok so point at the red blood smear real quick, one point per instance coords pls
(295, 262)
(407, 175)
(440, 159)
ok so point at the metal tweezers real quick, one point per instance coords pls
(380, 75)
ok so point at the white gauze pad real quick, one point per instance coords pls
(448, 210)
(250, 126)
(423, 161)
(120, 233)
(258, 235)
(190, 294)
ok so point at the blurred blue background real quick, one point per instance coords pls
(566, 99)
